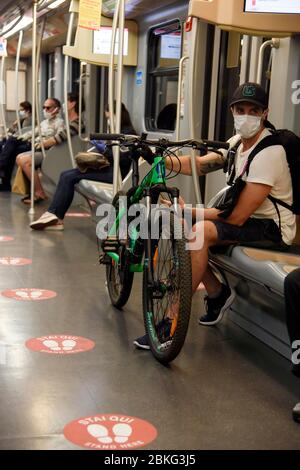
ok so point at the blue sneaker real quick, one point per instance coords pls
(142, 342)
(216, 308)
(163, 331)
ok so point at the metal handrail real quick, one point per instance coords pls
(37, 88)
(179, 94)
(117, 181)
(195, 177)
(82, 75)
(66, 74)
(52, 79)
(17, 79)
(274, 43)
(3, 117)
(33, 84)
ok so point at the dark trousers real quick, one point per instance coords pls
(8, 155)
(64, 193)
(292, 302)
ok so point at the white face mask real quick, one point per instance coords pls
(22, 113)
(47, 115)
(247, 126)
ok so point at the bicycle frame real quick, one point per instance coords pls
(155, 177)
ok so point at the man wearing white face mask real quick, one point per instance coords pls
(248, 216)
(52, 127)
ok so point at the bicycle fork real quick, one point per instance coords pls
(152, 194)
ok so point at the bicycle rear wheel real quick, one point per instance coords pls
(118, 275)
(167, 301)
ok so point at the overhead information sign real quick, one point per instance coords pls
(3, 47)
(272, 6)
(170, 46)
(102, 41)
(90, 14)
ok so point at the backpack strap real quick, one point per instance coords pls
(268, 141)
(230, 167)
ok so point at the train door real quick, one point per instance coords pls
(231, 59)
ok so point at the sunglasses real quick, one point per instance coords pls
(48, 107)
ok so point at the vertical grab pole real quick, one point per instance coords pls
(34, 10)
(17, 80)
(3, 118)
(192, 125)
(37, 93)
(66, 75)
(116, 176)
(111, 68)
(179, 94)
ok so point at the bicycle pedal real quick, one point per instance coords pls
(104, 259)
(110, 244)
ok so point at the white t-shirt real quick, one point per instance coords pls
(270, 167)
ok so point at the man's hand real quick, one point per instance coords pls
(167, 202)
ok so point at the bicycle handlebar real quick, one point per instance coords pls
(130, 139)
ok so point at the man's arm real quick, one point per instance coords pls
(210, 162)
(252, 196)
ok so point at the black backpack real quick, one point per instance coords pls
(291, 145)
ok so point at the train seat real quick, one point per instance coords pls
(258, 276)
(102, 193)
(58, 159)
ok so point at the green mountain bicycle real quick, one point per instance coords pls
(163, 258)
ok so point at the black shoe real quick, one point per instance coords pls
(215, 308)
(163, 332)
(296, 413)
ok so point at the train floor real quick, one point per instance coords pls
(226, 390)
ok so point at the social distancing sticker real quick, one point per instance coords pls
(78, 214)
(60, 344)
(12, 261)
(29, 294)
(6, 239)
(110, 432)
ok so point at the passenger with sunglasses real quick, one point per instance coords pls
(51, 127)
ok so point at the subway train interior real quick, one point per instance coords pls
(72, 305)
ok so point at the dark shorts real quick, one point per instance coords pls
(258, 232)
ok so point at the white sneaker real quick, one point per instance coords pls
(46, 220)
(55, 227)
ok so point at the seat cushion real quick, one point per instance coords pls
(101, 193)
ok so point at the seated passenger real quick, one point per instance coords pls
(50, 126)
(254, 218)
(25, 117)
(292, 303)
(59, 135)
(53, 218)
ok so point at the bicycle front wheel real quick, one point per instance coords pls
(167, 296)
(119, 278)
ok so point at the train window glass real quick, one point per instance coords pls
(164, 52)
(228, 81)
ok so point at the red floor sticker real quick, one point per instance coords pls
(6, 239)
(29, 294)
(110, 432)
(77, 214)
(60, 344)
(11, 261)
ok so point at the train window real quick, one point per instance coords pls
(164, 52)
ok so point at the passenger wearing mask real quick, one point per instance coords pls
(253, 217)
(50, 126)
(59, 136)
(25, 117)
(53, 218)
